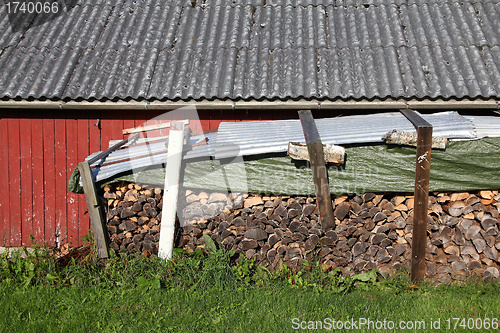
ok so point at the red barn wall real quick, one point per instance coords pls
(40, 149)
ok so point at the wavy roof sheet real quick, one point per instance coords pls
(136, 157)
(258, 49)
(261, 137)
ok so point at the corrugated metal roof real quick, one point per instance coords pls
(252, 138)
(262, 49)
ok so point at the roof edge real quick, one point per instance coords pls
(265, 104)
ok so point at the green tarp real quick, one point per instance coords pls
(464, 165)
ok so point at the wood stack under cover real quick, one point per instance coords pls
(133, 217)
(372, 231)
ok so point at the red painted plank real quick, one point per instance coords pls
(49, 177)
(254, 115)
(319, 114)
(140, 118)
(71, 232)
(26, 182)
(240, 115)
(61, 179)
(117, 125)
(82, 222)
(4, 185)
(178, 114)
(14, 181)
(227, 116)
(111, 127)
(266, 115)
(94, 141)
(94, 131)
(155, 117)
(94, 126)
(194, 116)
(129, 119)
(280, 114)
(194, 121)
(37, 165)
(106, 130)
(204, 116)
(215, 118)
(164, 116)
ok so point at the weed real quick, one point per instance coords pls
(25, 267)
(216, 269)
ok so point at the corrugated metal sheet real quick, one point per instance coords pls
(261, 137)
(252, 138)
(139, 156)
(262, 49)
(486, 126)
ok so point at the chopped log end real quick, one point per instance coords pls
(397, 137)
(332, 153)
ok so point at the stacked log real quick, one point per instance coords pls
(466, 238)
(372, 231)
(200, 206)
(133, 217)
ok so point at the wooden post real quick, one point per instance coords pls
(422, 177)
(171, 190)
(99, 229)
(320, 177)
(95, 211)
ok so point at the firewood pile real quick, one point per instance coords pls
(133, 217)
(373, 231)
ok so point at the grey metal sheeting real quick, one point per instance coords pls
(253, 50)
(251, 138)
(485, 126)
(254, 138)
(136, 157)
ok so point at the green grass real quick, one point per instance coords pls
(249, 309)
(196, 293)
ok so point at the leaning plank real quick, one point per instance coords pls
(111, 149)
(151, 127)
(320, 177)
(332, 153)
(171, 190)
(95, 213)
(410, 139)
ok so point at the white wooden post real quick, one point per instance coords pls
(171, 190)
